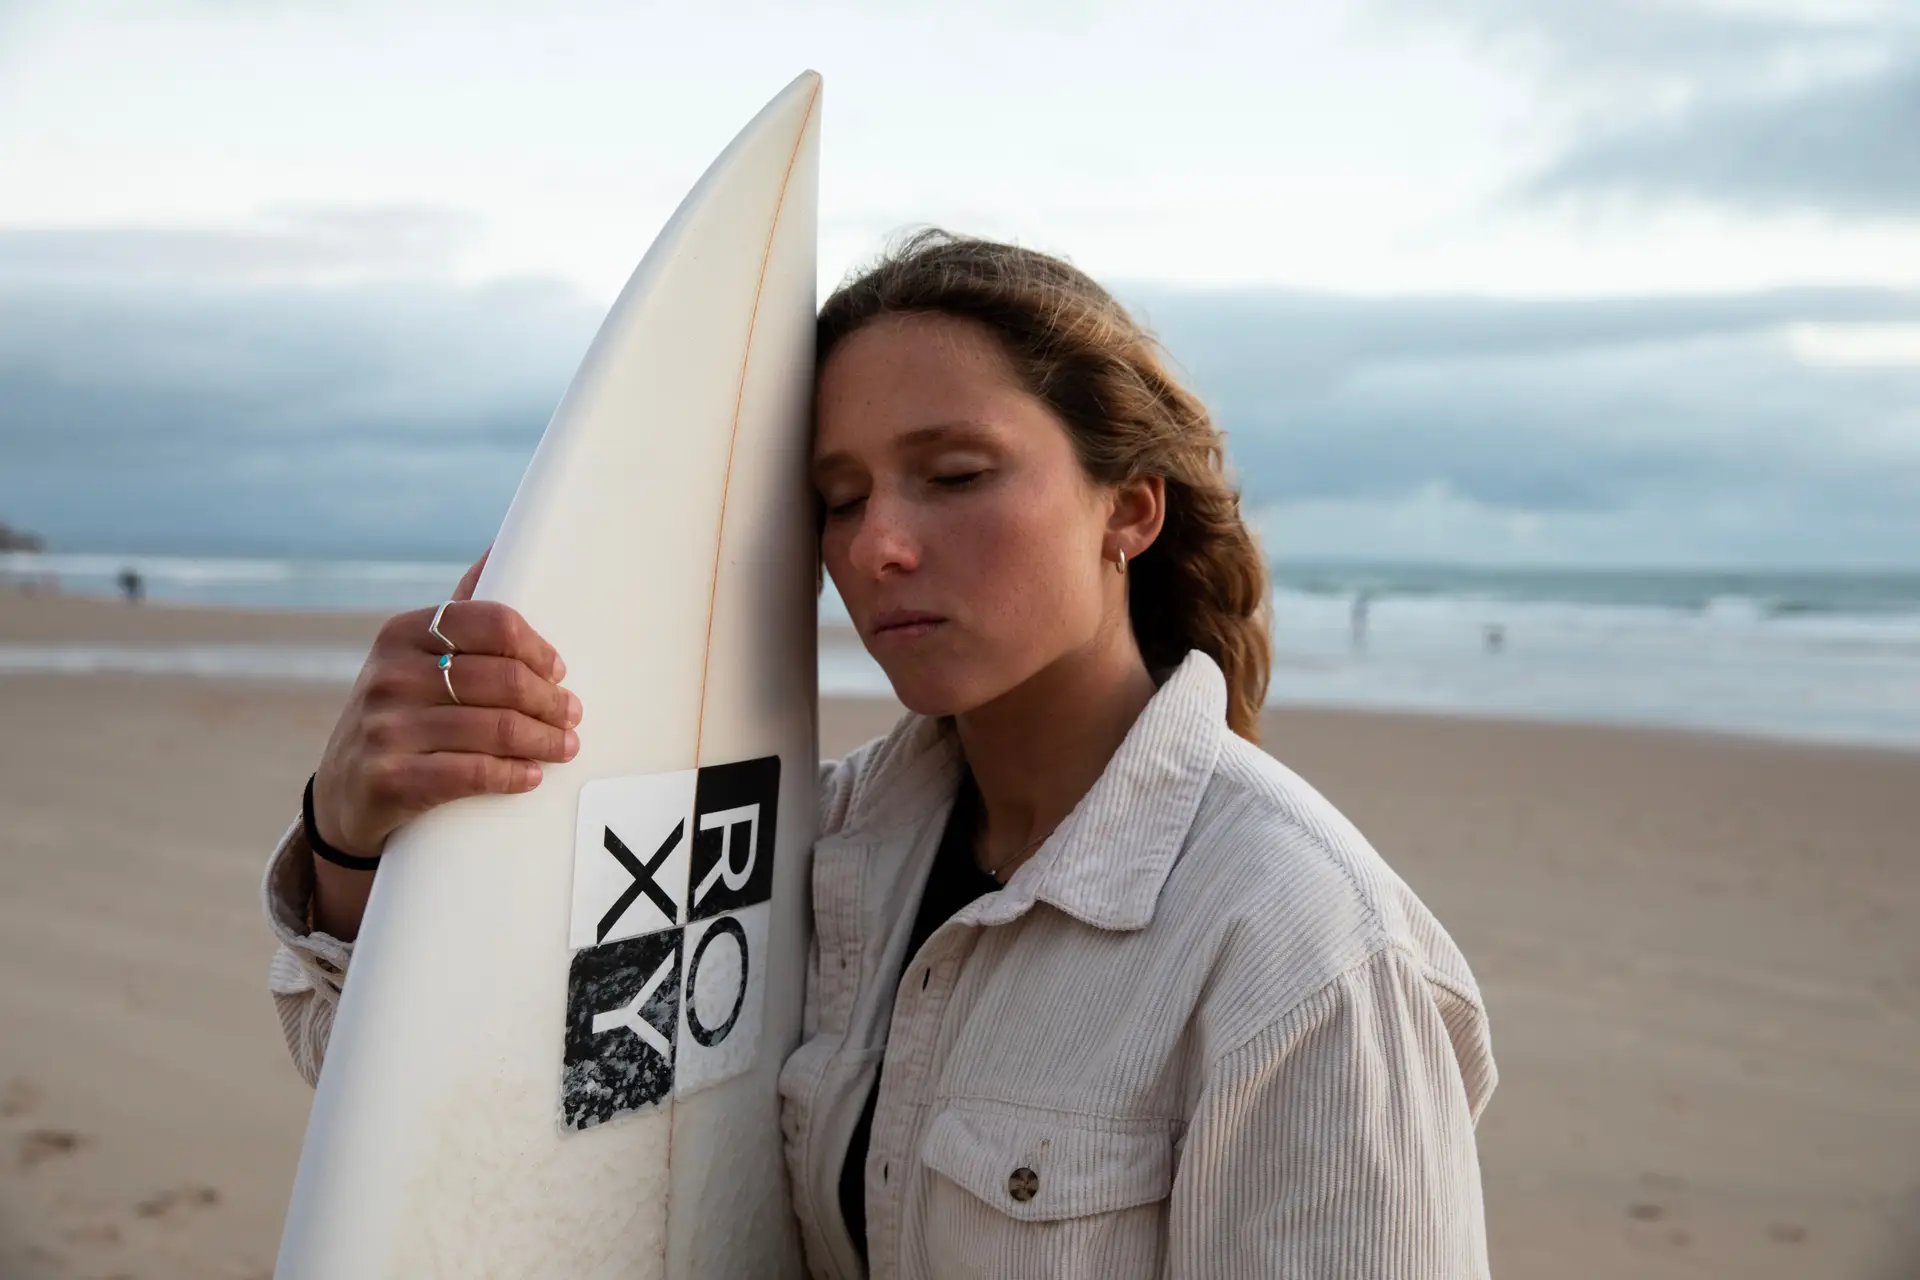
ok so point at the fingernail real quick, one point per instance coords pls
(571, 743)
(573, 709)
(529, 775)
(559, 668)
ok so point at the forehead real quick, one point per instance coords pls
(903, 374)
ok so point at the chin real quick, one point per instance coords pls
(930, 698)
(933, 691)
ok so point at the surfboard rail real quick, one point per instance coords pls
(558, 1050)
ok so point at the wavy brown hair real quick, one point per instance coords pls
(1203, 583)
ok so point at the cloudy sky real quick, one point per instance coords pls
(1495, 280)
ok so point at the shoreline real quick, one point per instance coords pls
(163, 628)
(74, 619)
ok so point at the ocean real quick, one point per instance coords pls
(1823, 656)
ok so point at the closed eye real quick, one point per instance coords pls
(959, 481)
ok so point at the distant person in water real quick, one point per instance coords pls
(1361, 602)
(131, 585)
(1495, 637)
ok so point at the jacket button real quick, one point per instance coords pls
(1022, 1183)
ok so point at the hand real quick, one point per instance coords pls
(402, 747)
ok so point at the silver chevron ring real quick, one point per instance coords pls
(446, 674)
(433, 628)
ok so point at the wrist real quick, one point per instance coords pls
(324, 849)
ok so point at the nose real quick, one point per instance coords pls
(884, 541)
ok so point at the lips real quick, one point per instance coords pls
(905, 620)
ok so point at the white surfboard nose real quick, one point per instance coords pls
(662, 538)
(752, 176)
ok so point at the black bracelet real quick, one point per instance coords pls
(321, 849)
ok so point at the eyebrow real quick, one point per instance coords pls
(918, 438)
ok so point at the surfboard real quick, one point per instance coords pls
(557, 1050)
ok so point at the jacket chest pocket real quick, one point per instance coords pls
(1030, 1192)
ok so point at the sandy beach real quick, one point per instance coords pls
(1699, 953)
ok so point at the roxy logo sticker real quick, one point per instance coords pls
(733, 836)
(671, 881)
(630, 857)
(623, 1003)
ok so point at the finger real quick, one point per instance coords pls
(494, 731)
(416, 783)
(471, 579)
(479, 627)
(481, 680)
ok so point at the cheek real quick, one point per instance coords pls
(1017, 557)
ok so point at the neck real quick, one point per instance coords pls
(1038, 748)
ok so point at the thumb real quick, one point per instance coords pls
(471, 578)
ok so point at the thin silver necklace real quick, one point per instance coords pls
(998, 873)
(970, 793)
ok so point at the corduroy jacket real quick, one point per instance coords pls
(1204, 1030)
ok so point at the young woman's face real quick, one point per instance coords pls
(961, 530)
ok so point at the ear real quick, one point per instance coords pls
(1139, 509)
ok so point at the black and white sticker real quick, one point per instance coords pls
(672, 874)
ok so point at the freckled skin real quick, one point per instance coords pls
(991, 525)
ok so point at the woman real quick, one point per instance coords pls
(1097, 987)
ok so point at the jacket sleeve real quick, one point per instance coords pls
(1339, 1140)
(308, 968)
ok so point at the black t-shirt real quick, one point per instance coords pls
(956, 880)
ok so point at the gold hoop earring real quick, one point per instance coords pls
(1120, 566)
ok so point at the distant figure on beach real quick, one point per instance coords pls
(131, 585)
(12, 539)
(1361, 601)
(29, 582)
(1495, 637)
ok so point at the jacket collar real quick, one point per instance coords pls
(1106, 862)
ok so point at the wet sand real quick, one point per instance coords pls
(1699, 953)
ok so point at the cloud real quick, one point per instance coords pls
(308, 246)
(194, 391)
(1328, 335)
(1809, 108)
(1634, 429)
(219, 400)
(1850, 148)
(1642, 40)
